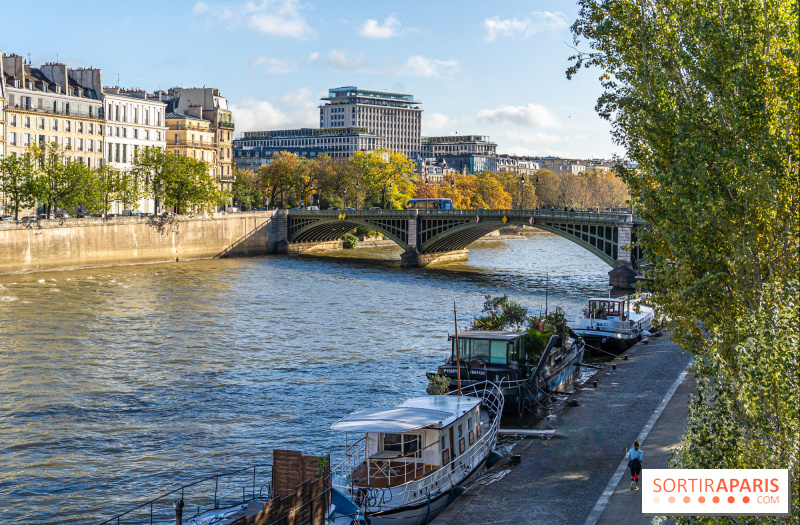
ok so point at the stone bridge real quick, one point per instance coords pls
(435, 236)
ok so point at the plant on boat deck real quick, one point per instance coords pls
(535, 344)
(321, 462)
(439, 385)
(500, 313)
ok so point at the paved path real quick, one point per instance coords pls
(560, 481)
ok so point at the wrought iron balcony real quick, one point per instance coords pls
(98, 114)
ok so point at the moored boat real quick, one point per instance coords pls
(614, 324)
(416, 457)
(501, 357)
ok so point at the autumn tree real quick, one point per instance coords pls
(704, 97)
(246, 189)
(387, 174)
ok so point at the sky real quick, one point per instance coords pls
(478, 67)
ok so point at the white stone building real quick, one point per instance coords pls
(133, 122)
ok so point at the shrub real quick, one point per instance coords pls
(439, 385)
(349, 241)
(364, 232)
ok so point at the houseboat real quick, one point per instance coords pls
(500, 357)
(413, 459)
(612, 325)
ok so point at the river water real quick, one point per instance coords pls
(117, 383)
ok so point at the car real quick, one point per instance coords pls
(30, 218)
(167, 213)
(45, 216)
(146, 214)
(375, 208)
(333, 208)
(313, 208)
(350, 209)
(112, 215)
(84, 215)
(232, 209)
(9, 218)
(62, 216)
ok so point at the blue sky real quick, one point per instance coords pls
(489, 68)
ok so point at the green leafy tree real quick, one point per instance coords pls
(500, 313)
(60, 181)
(387, 175)
(150, 167)
(704, 97)
(246, 189)
(188, 185)
(17, 174)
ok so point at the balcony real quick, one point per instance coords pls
(195, 143)
(98, 114)
(226, 125)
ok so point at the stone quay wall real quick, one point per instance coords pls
(84, 243)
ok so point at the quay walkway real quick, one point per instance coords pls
(574, 478)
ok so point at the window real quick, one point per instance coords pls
(27, 122)
(12, 139)
(68, 125)
(40, 123)
(80, 127)
(12, 121)
(404, 444)
(116, 150)
(54, 124)
(110, 153)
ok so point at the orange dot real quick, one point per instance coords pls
(716, 499)
(687, 499)
(701, 499)
(672, 499)
(746, 499)
(656, 500)
(731, 499)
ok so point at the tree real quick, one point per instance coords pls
(246, 189)
(150, 167)
(187, 184)
(704, 97)
(278, 175)
(548, 189)
(60, 182)
(489, 193)
(16, 179)
(387, 174)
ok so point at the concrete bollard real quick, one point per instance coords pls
(613, 367)
(594, 383)
(625, 358)
(178, 511)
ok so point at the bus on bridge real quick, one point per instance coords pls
(430, 204)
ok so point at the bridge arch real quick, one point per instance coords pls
(333, 228)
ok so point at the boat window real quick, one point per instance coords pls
(469, 422)
(460, 431)
(494, 352)
(444, 445)
(613, 308)
(403, 444)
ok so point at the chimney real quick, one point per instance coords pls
(89, 78)
(14, 66)
(56, 73)
(195, 110)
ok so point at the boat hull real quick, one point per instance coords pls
(601, 343)
(420, 512)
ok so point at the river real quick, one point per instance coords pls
(116, 383)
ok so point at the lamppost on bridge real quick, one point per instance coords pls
(522, 192)
(356, 194)
(426, 192)
(536, 190)
(345, 197)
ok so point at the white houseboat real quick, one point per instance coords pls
(613, 324)
(416, 457)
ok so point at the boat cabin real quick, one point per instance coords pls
(411, 440)
(608, 308)
(487, 355)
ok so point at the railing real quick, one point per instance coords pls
(98, 114)
(228, 125)
(445, 477)
(154, 510)
(584, 215)
(201, 143)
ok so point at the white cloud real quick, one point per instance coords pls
(436, 122)
(373, 29)
(270, 17)
(297, 109)
(537, 22)
(275, 66)
(340, 60)
(533, 115)
(421, 66)
(313, 57)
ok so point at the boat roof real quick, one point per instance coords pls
(615, 299)
(495, 335)
(416, 413)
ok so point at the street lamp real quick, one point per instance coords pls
(356, 195)
(345, 197)
(426, 192)
(536, 189)
(522, 192)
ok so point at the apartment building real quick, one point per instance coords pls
(193, 136)
(134, 122)
(462, 153)
(53, 104)
(214, 109)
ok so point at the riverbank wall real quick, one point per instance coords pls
(84, 243)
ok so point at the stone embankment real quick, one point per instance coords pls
(574, 478)
(81, 243)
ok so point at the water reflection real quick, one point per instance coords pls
(116, 383)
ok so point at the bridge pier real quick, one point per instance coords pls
(623, 275)
(413, 259)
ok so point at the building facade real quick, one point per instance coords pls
(396, 117)
(190, 135)
(213, 108)
(258, 148)
(53, 104)
(133, 122)
(467, 154)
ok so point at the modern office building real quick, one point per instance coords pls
(213, 108)
(53, 104)
(394, 116)
(351, 119)
(258, 148)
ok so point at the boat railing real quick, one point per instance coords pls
(354, 455)
(213, 492)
